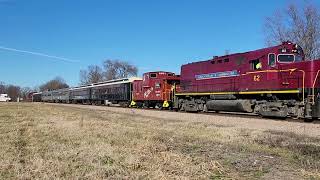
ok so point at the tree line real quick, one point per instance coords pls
(16, 92)
(111, 69)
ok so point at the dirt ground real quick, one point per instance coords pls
(94, 142)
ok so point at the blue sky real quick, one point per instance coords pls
(153, 35)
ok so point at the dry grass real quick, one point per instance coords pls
(44, 141)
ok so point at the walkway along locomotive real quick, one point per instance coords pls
(275, 81)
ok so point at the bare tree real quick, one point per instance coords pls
(56, 83)
(2, 88)
(115, 69)
(83, 77)
(301, 26)
(93, 74)
(112, 69)
(13, 92)
(24, 93)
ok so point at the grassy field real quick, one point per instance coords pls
(45, 141)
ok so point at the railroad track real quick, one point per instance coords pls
(221, 113)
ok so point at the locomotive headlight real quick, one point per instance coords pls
(284, 50)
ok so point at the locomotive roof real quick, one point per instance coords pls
(159, 72)
(242, 53)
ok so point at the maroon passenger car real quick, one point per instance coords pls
(275, 81)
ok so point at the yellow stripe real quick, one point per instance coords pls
(264, 71)
(241, 92)
(206, 93)
(269, 92)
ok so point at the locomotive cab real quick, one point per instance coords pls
(287, 53)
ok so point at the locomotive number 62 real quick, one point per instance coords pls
(256, 78)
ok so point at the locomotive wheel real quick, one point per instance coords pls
(205, 108)
(159, 106)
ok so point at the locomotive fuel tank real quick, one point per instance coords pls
(230, 105)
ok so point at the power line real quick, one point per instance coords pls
(39, 54)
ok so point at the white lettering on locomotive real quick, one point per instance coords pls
(147, 93)
(217, 75)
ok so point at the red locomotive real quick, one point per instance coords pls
(275, 81)
(155, 90)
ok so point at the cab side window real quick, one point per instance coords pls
(255, 64)
(271, 59)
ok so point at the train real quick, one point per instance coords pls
(108, 92)
(275, 81)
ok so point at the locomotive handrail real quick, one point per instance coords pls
(313, 86)
(303, 77)
(281, 70)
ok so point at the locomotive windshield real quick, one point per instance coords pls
(286, 58)
(298, 58)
